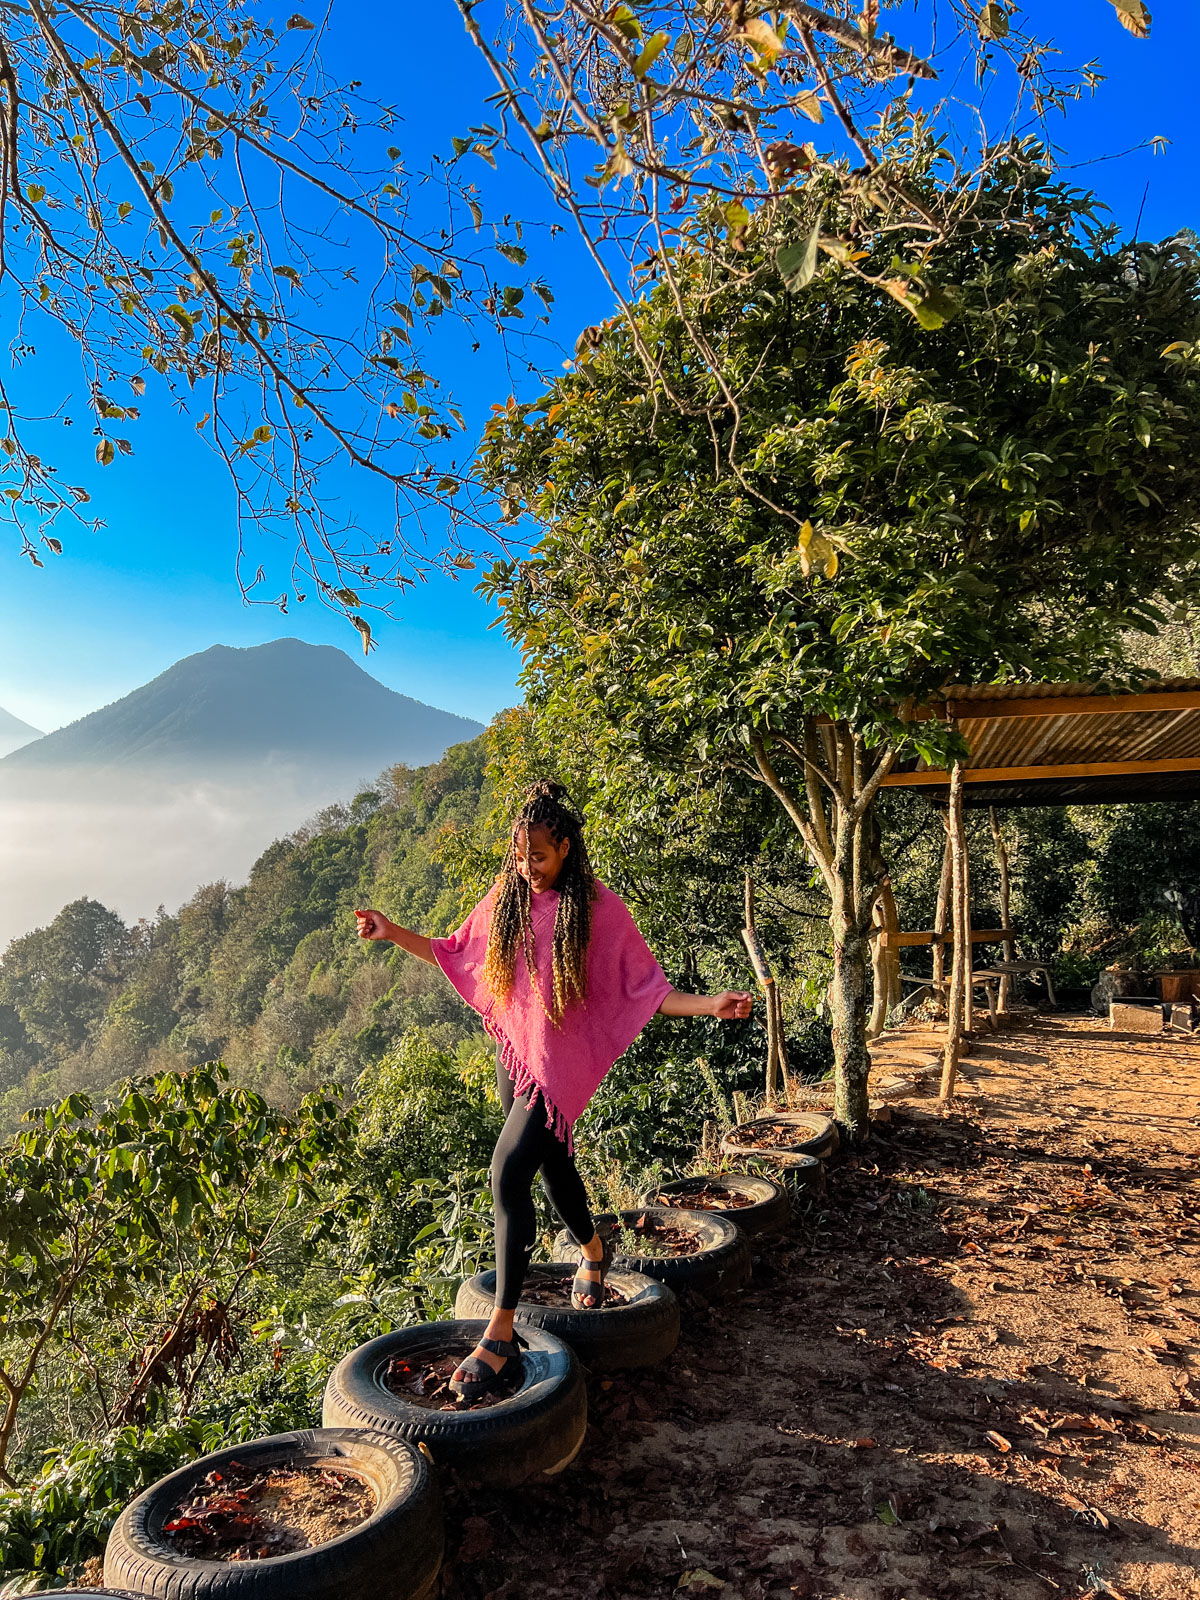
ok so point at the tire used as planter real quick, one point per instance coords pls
(768, 1212)
(396, 1551)
(538, 1429)
(639, 1331)
(808, 1133)
(720, 1265)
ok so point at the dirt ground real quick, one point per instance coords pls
(972, 1370)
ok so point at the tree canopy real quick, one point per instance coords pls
(853, 504)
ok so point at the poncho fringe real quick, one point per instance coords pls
(524, 1083)
(561, 1064)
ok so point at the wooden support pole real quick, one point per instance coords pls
(1010, 949)
(941, 915)
(885, 960)
(766, 981)
(955, 1007)
(891, 923)
(963, 935)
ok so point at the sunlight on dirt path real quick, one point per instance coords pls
(973, 1372)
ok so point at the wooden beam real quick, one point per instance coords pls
(893, 940)
(1065, 705)
(1080, 769)
(1073, 705)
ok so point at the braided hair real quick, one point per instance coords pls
(546, 805)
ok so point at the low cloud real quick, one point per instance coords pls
(135, 844)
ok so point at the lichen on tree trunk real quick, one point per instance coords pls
(849, 1006)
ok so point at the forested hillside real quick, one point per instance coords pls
(269, 976)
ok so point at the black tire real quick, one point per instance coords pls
(770, 1209)
(815, 1134)
(397, 1551)
(721, 1265)
(536, 1431)
(640, 1332)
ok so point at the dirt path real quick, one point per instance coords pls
(974, 1371)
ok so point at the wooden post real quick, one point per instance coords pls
(891, 921)
(1010, 950)
(965, 933)
(885, 961)
(767, 984)
(942, 914)
(958, 971)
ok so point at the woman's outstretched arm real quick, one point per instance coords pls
(730, 1005)
(374, 925)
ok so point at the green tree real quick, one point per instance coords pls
(143, 1224)
(989, 491)
(60, 979)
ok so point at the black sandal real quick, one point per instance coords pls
(480, 1379)
(581, 1285)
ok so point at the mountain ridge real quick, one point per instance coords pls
(14, 733)
(284, 703)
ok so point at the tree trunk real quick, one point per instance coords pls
(848, 1002)
(834, 815)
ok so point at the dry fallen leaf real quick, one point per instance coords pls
(698, 1580)
(1002, 1444)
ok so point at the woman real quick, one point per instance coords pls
(564, 982)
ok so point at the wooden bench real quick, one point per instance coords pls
(989, 982)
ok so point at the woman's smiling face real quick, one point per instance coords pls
(539, 856)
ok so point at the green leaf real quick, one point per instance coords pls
(184, 318)
(798, 262)
(936, 307)
(35, 192)
(513, 253)
(624, 19)
(650, 53)
(106, 452)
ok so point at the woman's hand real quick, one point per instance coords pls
(373, 925)
(732, 1005)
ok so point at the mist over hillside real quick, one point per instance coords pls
(186, 779)
(14, 733)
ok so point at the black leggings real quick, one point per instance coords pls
(526, 1146)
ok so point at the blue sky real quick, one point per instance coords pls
(157, 583)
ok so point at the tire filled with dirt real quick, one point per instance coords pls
(638, 1326)
(782, 1134)
(684, 1249)
(210, 1530)
(757, 1204)
(397, 1385)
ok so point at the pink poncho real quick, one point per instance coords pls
(564, 1065)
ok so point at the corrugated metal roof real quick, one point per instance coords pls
(1122, 727)
(1049, 691)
